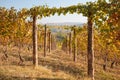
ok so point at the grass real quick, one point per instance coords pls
(13, 72)
(102, 75)
(55, 66)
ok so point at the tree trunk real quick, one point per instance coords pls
(112, 64)
(5, 52)
(105, 64)
(20, 57)
(90, 48)
(74, 46)
(70, 43)
(105, 60)
(45, 39)
(35, 47)
(5, 56)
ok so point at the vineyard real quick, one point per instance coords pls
(44, 52)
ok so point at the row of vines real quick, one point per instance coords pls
(101, 35)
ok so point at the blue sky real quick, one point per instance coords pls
(18, 4)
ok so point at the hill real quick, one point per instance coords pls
(65, 24)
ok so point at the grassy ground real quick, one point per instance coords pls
(55, 66)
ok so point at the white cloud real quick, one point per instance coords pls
(67, 18)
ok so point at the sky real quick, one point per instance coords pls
(19, 4)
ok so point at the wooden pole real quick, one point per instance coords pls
(70, 41)
(66, 44)
(90, 47)
(49, 42)
(74, 45)
(35, 47)
(45, 39)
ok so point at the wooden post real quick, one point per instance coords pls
(66, 44)
(74, 45)
(90, 47)
(49, 42)
(70, 49)
(35, 47)
(45, 39)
